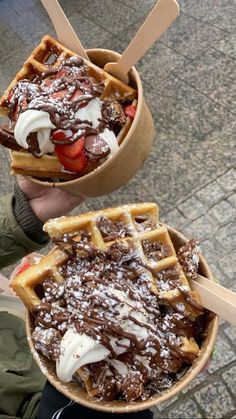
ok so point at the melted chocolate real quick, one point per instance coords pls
(61, 92)
(90, 299)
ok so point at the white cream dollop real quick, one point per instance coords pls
(77, 350)
(93, 112)
(34, 121)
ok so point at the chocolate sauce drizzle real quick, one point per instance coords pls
(98, 286)
(61, 92)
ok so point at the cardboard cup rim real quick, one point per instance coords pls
(122, 407)
(108, 162)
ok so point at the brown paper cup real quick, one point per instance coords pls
(133, 151)
(76, 393)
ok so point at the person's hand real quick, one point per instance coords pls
(46, 202)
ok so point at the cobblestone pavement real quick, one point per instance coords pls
(189, 82)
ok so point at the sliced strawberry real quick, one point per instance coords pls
(71, 150)
(62, 72)
(61, 135)
(60, 94)
(77, 93)
(48, 82)
(77, 164)
(130, 110)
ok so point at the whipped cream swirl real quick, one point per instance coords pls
(34, 121)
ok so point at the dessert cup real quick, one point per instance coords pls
(124, 164)
(79, 395)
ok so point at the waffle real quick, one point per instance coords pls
(138, 228)
(49, 54)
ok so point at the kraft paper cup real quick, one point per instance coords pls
(132, 153)
(79, 395)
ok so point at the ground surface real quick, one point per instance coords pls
(189, 83)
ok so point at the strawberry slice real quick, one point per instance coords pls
(60, 94)
(62, 72)
(71, 150)
(76, 164)
(48, 82)
(130, 110)
(77, 93)
(61, 135)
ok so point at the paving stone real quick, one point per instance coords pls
(22, 5)
(190, 37)
(211, 194)
(228, 265)
(92, 35)
(179, 106)
(227, 45)
(161, 407)
(220, 13)
(222, 212)
(226, 235)
(186, 410)
(192, 208)
(229, 377)
(211, 250)
(116, 18)
(232, 200)
(219, 145)
(72, 7)
(228, 180)
(219, 274)
(201, 228)
(31, 33)
(155, 412)
(158, 63)
(12, 57)
(215, 400)
(145, 6)
(201, 378)
(225, 354)
(230, 332)
(175, 219)
(169, 165)
(212, 73)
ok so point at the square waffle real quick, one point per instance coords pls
(50, 54)
(135, 227)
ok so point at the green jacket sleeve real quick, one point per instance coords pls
(14, 243)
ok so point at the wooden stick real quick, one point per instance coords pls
(65, 33)
(216, 298)
(158, 21)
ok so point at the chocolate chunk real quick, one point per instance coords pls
(96, 146)
(168, 279)
(188, 256)
(7, 139)
(109, 389)
(47, 341)
(156, 250)
(112, 230)
(145, 222)
(113, 112)
(132, 386)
